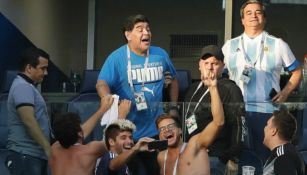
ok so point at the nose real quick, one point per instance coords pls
(129, 141)
(146, 31)
(254, 14)
(45, 72)
(209, 66)
(167, 129)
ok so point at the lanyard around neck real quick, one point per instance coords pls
(130, 70)
(260, 50)
(201, 98)
(176, 162)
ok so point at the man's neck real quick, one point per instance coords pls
(253, 32)
(137, 51)
(277, 144)
(175, 149)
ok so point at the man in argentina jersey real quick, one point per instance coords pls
(254, 61)
(135, 71)
(284, 158)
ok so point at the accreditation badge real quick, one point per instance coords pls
(191, 123)
(247, 73)
(140, 101)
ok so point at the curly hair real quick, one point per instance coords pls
(66, 129)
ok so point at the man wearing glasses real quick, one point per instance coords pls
(191, 157)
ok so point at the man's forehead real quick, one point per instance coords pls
(166, 121)
(249, 6)
(124, 133)
(141, 24)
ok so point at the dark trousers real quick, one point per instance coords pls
(22, 164)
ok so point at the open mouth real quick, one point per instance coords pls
(127, 147)
(168, 137)
(146, 40)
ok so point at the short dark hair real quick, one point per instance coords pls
(30, 56)
(66, 129)
(113, 130)
(252, 2)
(285, 124)
(131, 21)
(168, 116)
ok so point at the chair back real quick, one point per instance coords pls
(184, 81)
(8, 80)
(89, 81)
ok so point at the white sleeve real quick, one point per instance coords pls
(226, 52)
(285, 53)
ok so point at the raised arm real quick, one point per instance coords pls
(90, 124)
(123, 158)
(207, 136)
(124, 108)
(102, 88)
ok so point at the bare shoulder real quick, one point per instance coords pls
(193, 145)
(193, 141)
(56, 144)
(95, 142)
(98, 147)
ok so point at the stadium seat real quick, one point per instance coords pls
(89, 81)
(184, 81)
(7, 80)
(87, 102)
(5, 87)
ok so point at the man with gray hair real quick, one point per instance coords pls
(254, 61)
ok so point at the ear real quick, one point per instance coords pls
(128, 35)
(223, 64)
(28, 69)
(80, 134)
(111, 142)
(180, 131)
(274, 131)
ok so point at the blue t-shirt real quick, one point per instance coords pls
(103, 166)
(114, 72)
(23, 93)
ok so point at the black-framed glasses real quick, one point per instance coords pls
(170, 126)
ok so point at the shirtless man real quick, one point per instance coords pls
(192, 157)
(69, 154)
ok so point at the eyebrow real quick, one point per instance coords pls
(141, 25)
(258, 10)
